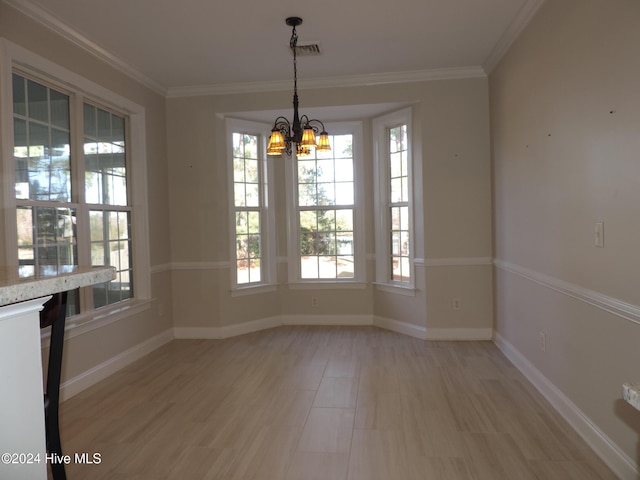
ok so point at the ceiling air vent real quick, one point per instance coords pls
(308, 49)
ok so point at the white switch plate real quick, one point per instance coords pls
(599, 234)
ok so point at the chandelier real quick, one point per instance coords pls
(302, 131)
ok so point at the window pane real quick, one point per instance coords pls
(238, 170)
(239, 194)
(111, 245)
(344, 220)
(325, 171)
(46, 237)
(41, 146)
(396, 190)
(252, 194)
(399, 198)
(326, 181)
(38, 101)
(248, 202)
(344, 193)
(105, 157)
(19, 95)
(59, 109)
(345, 267)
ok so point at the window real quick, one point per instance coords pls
(253, 250)
(105, 185)
(71, 154)
(326, 231)
(49, 204)
(394, 246)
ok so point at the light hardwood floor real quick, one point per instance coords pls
(302, 403)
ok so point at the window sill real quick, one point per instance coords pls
(253, 290)
(87, 322)
(397, 289)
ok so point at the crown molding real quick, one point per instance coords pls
(36, 13)
(522, 19)
(329, 82)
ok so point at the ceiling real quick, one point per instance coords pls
(178, 45)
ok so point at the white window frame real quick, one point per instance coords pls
(268, 276)
(12, 57)
(293, 213)
(384, 275)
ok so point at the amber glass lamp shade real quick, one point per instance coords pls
(302, 151)
(276, 143)
(324, 145)
(308, 137)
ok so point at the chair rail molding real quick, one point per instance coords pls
(604, 302)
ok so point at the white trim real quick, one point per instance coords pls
(398, 326)
(199, 265)
(622, 465)
(380, 129)
(7, 161)
(330, 82)
(163, 267)
(44, 18)
(324, 320)
(253, 289)
(515, 28)
(397, 289)
(416, 331)
(227, 331)
(460, 334)
(84, 323)
(604, 302)
(328, 285)
(101, 371)
(457, 261)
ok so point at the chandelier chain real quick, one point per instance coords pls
(293, 43)
(302, 130)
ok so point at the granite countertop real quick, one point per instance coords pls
(631, 393)
(20, 284)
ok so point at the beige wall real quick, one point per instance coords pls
(89, 350)
(565, 136)
(451, 151)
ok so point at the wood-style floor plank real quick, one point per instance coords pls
(322, 403)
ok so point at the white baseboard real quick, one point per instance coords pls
(269, 322)
(90, 377)
(410, 329)
(621, 464)
(460, 334)
(249, 327)
(416, 331)
(344, 320)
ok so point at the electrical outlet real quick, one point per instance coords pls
(314, 301)
(542, 341)
(457, 303)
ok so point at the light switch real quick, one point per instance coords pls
(599, 234)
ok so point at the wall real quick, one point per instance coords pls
(100, 351)
(451, 151)
(565, 117)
